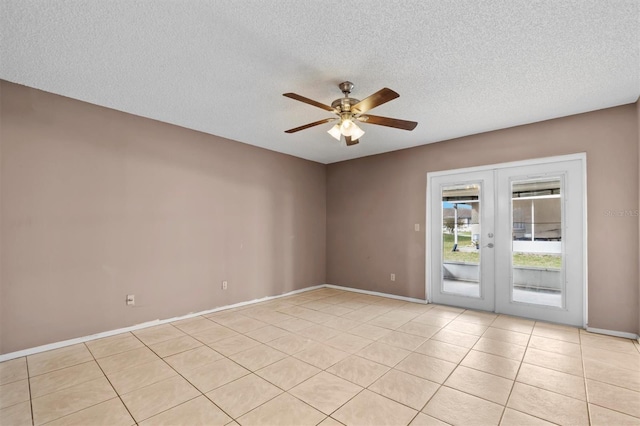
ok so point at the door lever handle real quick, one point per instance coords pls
(490, 245)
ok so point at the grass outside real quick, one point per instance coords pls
(519, 259)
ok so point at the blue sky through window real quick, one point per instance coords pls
(447, 205)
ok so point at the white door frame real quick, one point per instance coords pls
(485, 300)
(535, 161)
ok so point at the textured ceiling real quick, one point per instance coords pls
(461, 67)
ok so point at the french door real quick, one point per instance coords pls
(510, 239)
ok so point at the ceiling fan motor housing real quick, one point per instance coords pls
(344, 104)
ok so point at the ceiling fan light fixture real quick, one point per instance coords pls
(349, 128)
(346, 126)
(356, 132)
(335, 132)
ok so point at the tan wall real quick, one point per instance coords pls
(98, 204)
(374, 202)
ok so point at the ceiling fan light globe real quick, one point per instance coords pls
(356, 132)
(335, 132)
(351, 129)
(346, 127)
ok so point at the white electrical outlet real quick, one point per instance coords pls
(131, 299)
(393, 277)
(416, 227)
(224, 285)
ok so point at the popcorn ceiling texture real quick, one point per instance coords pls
(221, 67)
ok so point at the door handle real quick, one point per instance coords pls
(490, 245)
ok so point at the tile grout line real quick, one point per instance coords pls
(586, 386)
(58, 390)
(187, 380)
(506, 404)
(325, 370)
(111, 384)
(441, 385)
(33, 420)
(554, 392)
(286, 391)
(514, 381)
(459, 364)
(92, 405)
(615, 411)
(322, 370)
(234, 419)
(522, 362)
(282, 393)
(178, 374)
(584, 379)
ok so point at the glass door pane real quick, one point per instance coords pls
(536, 248)
(461, 239)
(460, 254)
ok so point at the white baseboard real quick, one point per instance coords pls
(57, 345)
(375, 293)
(62, 344)
(613, 333)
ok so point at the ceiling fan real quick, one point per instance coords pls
(350, 110)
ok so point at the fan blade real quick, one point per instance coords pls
(389, 122)
(382, 96)
(308, 101)
(350, 142)
(315, 123)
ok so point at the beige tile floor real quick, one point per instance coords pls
(331, 357)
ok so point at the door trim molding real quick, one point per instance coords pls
(582, 156)
(519, 163)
